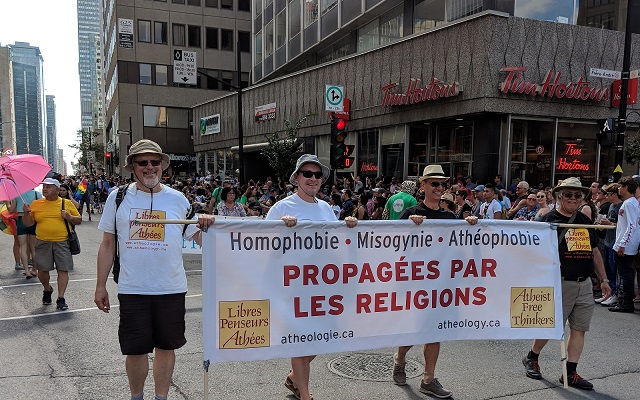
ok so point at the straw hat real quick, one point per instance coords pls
(145, 146)
(433, 172)
(447, 197)
(570, 183)
(306, 159)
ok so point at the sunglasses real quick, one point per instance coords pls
(436, 184)
(571, 195)
(309, 174)
(541, 197)
(144, 163)
(531, 198)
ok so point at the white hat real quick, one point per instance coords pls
(51, 181)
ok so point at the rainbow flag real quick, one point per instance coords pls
(81, 189)
(8, 221)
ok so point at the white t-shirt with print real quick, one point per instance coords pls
(493, 207)
(150, 255)
(302, 210)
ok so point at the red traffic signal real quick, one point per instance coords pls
(108, 155)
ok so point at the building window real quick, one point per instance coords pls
(257, 48)
(310, 12)
(257, 5)
(245, 41)
(227, 39)
(145, 74)
(178, 35)
(211, 3)
(160, 32)
(268, 39)
(161, 75)
(327, 5)
(154, 116)
(144, 31)
(177, 1)
(194, 36)
(193, 2)
(281, 29)
(212, 83)
(294, 17)
(212, 38)
(227, 78)
(244, 5)
(226, 4)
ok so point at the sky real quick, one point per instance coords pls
(52, 26)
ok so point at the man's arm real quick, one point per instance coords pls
(600, 272)
(106, 253)
(513, 210)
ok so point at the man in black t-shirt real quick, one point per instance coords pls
(432, 184)
(579, 255)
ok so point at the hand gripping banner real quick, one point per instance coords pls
(273, 292)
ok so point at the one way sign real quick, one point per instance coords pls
(184, 67)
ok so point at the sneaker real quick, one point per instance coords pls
(46, 296)
(599, 300)
(434, 388)
(18, 266)
(612, 300)
(399, 375)
(577, 381)
(61, 304)
(532, 368)
(30, 262)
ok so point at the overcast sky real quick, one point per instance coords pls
(52, 26)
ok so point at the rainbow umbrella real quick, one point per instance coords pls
(21, 173)
(8, 221)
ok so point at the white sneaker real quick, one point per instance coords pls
(599, 300)
(610, 301)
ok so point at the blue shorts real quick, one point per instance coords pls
(25, 230)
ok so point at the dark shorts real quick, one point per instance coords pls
(25, 230)
(150, 321)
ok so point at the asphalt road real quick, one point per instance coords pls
(46, 354)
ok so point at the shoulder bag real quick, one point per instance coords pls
(74, 243)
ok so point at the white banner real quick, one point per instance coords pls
(273, 292)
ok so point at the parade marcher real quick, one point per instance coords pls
(26, 236)
(576, 267)
(229, 206)
(432, 184)
(309, 175)
(492, 207)
(152, 281)
(626, 245)
(400, 201)
(52, 247)
(608, 254)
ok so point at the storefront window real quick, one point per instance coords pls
(532, 151)
(418, 150)
(367, 164)
(576, 151)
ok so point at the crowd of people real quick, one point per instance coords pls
(603, 274)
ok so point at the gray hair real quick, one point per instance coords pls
(524, 183)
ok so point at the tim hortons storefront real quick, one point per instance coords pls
(485, 96)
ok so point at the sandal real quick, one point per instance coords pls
(288, 383)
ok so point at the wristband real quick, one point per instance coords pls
(604, 280)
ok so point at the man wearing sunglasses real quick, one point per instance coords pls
(432, 183)
(308, 176)
(579, 256)
(153, 282)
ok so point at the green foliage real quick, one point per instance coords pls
(282, 153)
(632, 148)
(83, 148)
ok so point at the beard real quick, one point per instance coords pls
(150, 181)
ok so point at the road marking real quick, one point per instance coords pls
(70, 311)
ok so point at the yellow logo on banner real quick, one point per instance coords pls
(151, 232)
(532, 307)
(578, 240)
(244, 324)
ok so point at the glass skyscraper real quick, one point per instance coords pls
(90, 64)
(52, 151)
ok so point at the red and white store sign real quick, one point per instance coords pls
(632, 92)
(265, 112)
(551, 87)
(416, 92)
(568, 161)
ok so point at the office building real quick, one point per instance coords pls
(7, 114)
(162, 58)
(52, 140)
(90, 64)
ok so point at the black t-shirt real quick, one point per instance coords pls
(465, 208)
(422, 209)
(576, 250)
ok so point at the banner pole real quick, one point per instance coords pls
(205, 365)
(563, 357)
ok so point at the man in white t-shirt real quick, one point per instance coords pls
(153, 283)
(491, 208)
(309, 176)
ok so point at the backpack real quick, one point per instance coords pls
(122, 191)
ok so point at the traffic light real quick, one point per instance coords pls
(606, 132)
(340, 151)
(108, 155)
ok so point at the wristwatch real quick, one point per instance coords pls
(604, 280)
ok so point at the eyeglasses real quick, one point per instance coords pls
(571, 195)
(436, 184)
(531, 198)
(309, 174)
(144, 163)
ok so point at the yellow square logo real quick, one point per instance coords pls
(243, 324)
(532, 307)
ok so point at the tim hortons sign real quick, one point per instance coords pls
(417, 92)
(551, 87)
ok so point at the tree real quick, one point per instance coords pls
(85, 145)
(632, 148)
(282, 153)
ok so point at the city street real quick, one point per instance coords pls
(75, 354)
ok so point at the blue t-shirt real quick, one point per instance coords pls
(28, 197)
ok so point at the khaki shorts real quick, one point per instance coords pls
(577, 304)
(50, 253)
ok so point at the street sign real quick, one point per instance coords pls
(91, 156)
(604, 73)
(334, 98)
(634, 74)
(110, 147)
(125, 33)
(184, 67)
(121, 132)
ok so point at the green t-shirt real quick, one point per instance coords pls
(398, 203)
